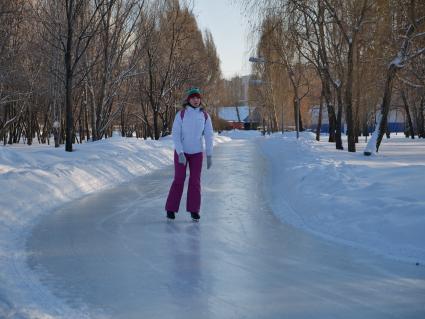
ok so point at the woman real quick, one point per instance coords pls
(190, 125)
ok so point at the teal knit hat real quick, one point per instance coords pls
(193, 91)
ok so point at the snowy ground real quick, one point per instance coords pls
(36, 180)
(375, 203)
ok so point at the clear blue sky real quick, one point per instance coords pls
(229, 28)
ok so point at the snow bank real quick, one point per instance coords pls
(375, 202)
(34, 180)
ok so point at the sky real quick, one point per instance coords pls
(230, 29)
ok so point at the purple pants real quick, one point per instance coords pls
(193, 203)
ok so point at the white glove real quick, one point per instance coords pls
(182, 159)
(209, 162)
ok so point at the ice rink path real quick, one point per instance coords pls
(115, 255)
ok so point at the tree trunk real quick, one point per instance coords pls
(387, 131)
(122, 123)
(356, 130)
(300, 118)
(274, 119)
(319, 119)
(421, 121)
(81, 128)
(392, 70)
(338, 128)
(86, 120)
(330, 107)
(385, 106)
(56, 123)
(365, 127)
(56, 136)
(326, 78)
(69, 77)
(29, 132)
(408, 117)
(155, 124)
(297, 114)
(348, 99)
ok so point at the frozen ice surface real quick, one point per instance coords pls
(115, 255)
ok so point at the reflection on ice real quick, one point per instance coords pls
(115, 253)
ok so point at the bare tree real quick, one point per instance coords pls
(407, 52)
(14, 89)
(309, 37)
(74, 33)
(95, 64)
(114, 49)
(174, 48)
(350, 29)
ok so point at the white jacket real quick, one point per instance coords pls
(188, 133)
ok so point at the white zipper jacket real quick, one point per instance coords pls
(188, 133)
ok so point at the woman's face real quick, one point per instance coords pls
(195, 101)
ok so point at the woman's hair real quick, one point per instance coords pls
(192, 91)
(186, 103)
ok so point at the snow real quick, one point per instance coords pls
(371, 145)
(36, 179)
(373, 203)
(376, 203)
(337, 83)
(397, 61)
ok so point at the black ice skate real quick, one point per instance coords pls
(195, 217)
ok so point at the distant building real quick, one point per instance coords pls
(396, 120)
(314, 118)
(240, 117)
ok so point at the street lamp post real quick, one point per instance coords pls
(263, 60)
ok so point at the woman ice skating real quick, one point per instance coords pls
(190, 126)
